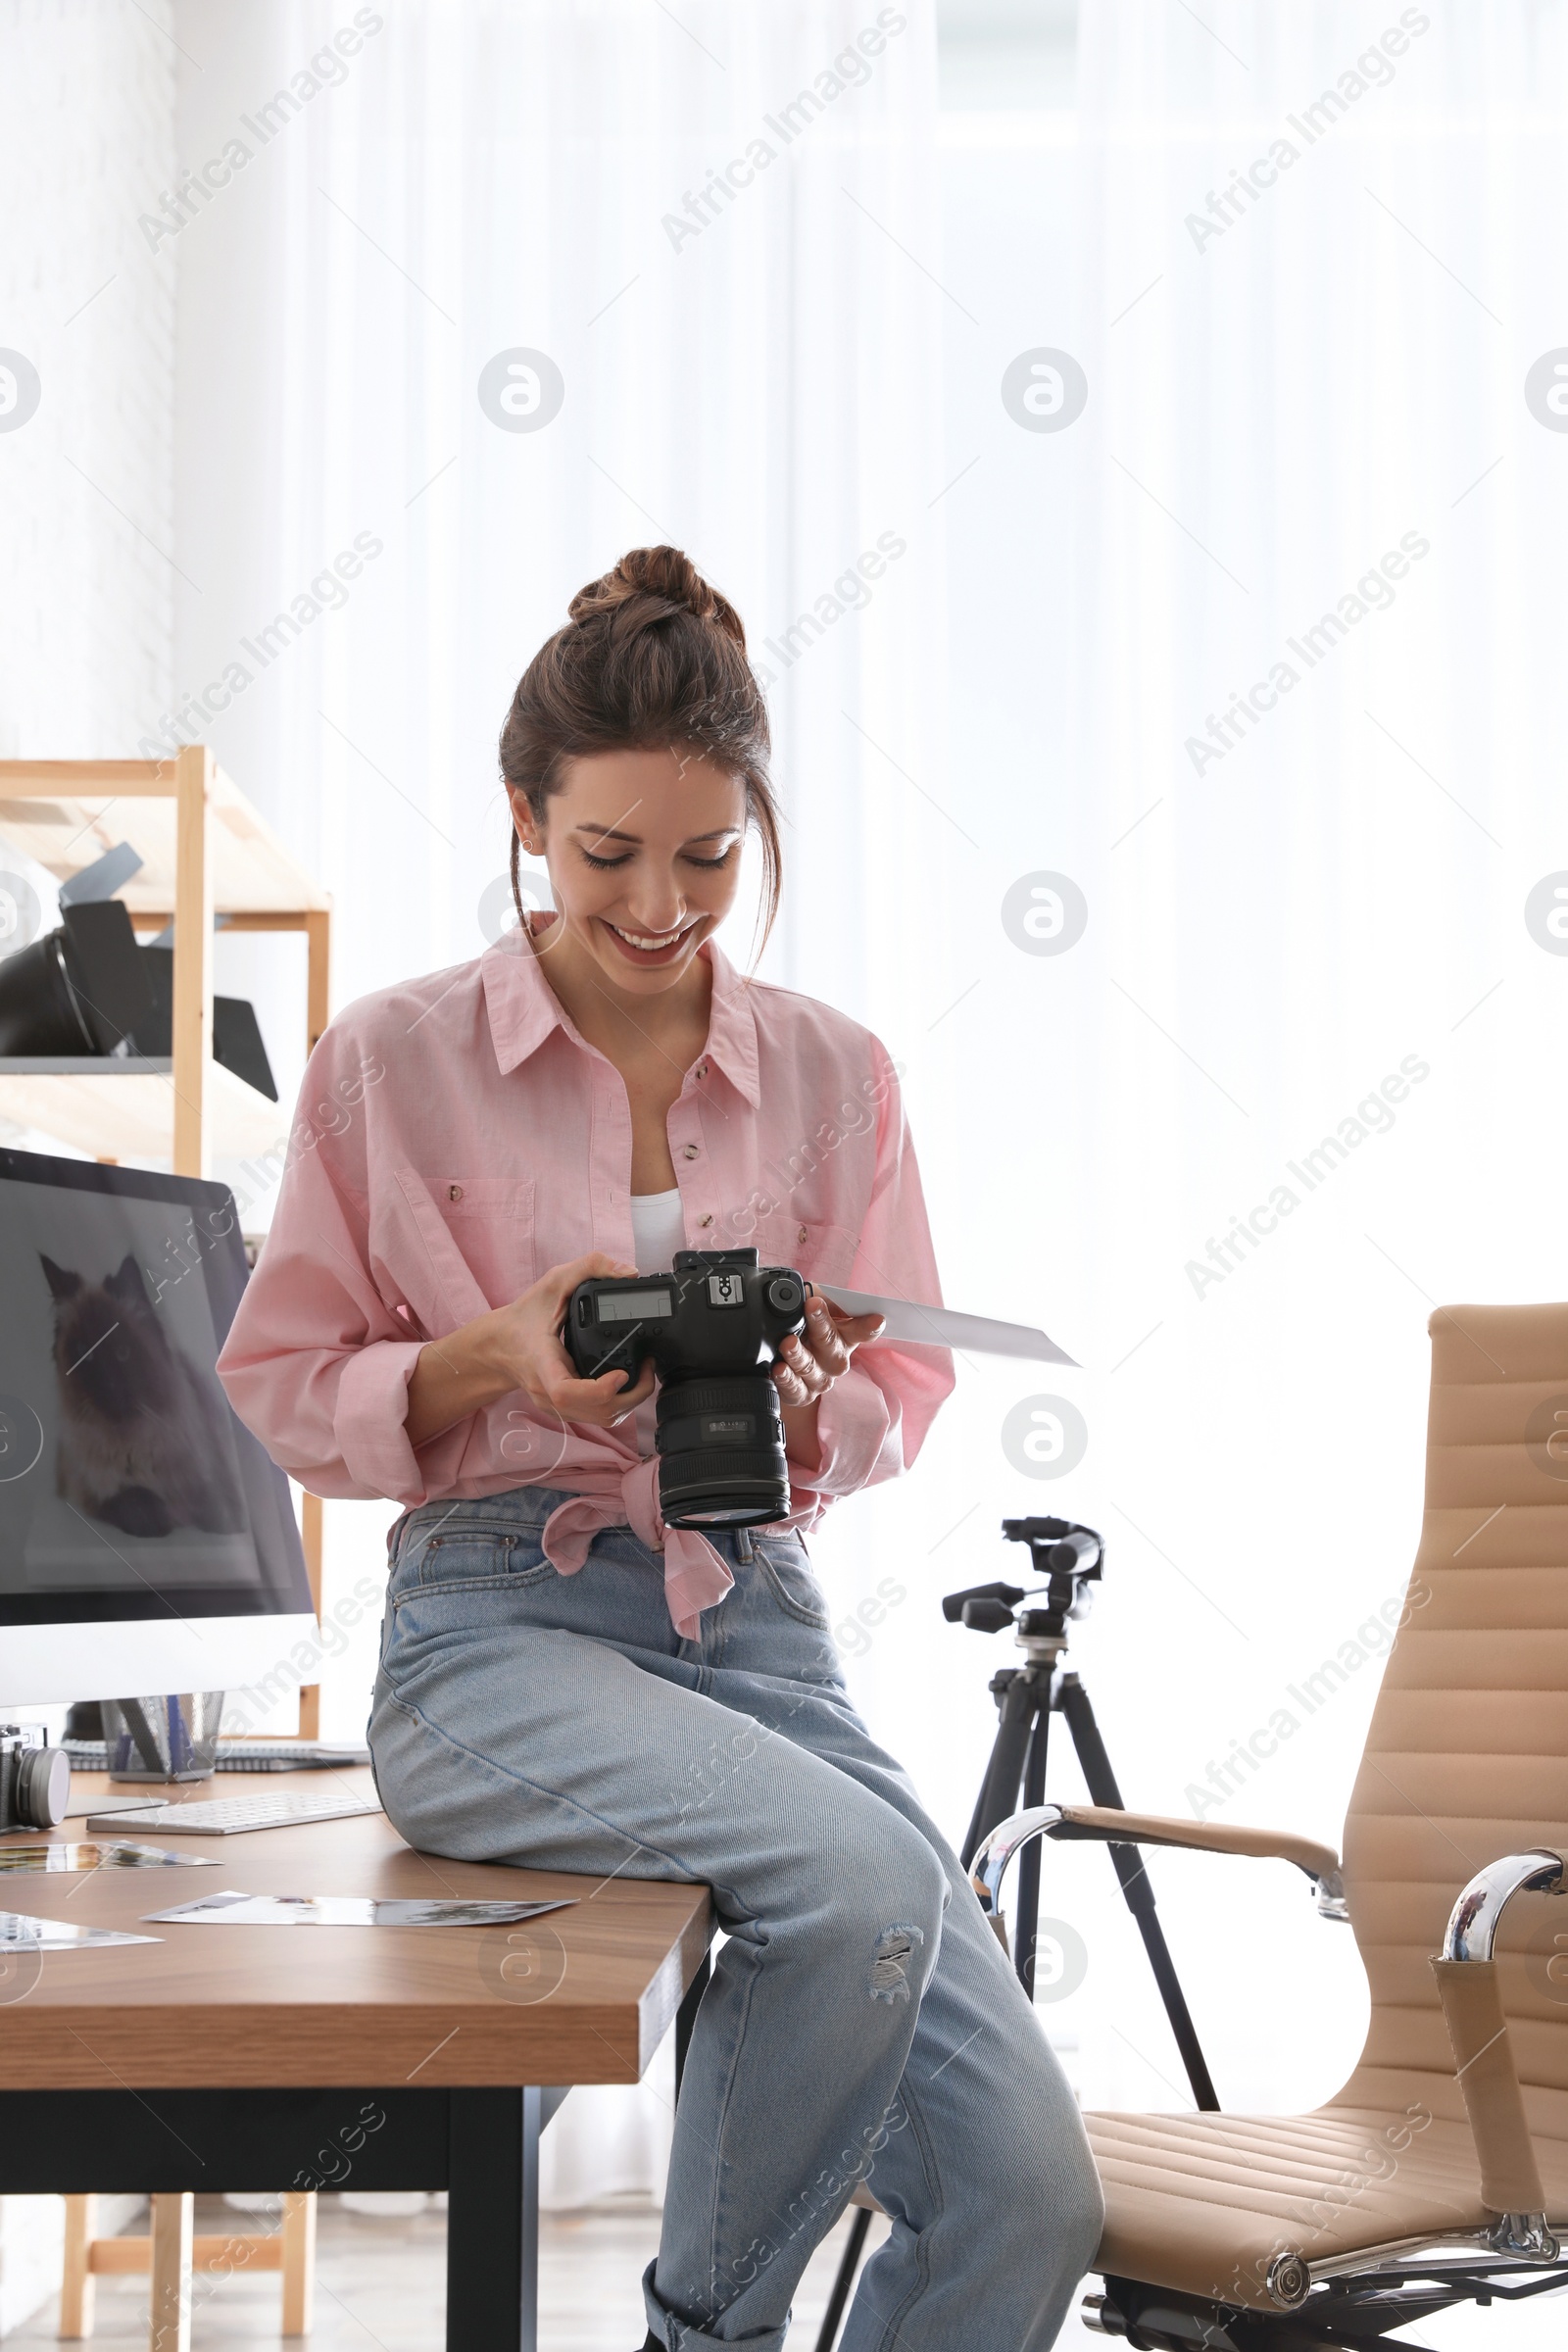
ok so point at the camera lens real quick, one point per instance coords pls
(720, 1442)
(43, 1786)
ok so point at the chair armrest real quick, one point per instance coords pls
(1161, 1828)
(1114, 1827)
(1482, 2057)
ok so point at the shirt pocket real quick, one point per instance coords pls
(490, 1221)
(821, 1252)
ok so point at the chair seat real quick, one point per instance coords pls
(1204, 2202)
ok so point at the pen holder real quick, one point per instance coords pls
(162, 1738)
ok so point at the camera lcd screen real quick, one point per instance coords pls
(631, 1306)
(126, 1485)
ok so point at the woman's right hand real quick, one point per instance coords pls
(520, 1347)
(524, 1344)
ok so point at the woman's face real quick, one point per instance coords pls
(644, 851)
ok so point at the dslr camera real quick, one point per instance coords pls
(35, 1779)
(713, 1326)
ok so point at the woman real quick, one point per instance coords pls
(565, 1683)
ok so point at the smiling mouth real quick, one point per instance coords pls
(649, 947)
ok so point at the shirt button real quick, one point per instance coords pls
(708, 1220)
(800, 1236)
(454, 1192)
(702, 1069)
(689, 1151)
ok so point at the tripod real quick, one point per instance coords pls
(1067, 1558)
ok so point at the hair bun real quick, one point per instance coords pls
(662, 577)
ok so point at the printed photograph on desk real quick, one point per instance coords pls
(231, 1909)
(21, 1932)
(91, 1856)
(120, 1465)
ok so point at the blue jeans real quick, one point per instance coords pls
(863, 2023)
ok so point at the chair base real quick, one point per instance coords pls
(1357, 2307)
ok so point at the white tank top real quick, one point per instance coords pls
(657, 1231)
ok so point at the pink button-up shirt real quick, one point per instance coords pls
(457, 1136)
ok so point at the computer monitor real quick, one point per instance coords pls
(147, 1544)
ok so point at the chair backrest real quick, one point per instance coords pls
(1467, 1755)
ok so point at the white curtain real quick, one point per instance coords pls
(748, 366)
(1332, 375)
(750, 377)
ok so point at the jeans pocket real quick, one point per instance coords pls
(470, 1559)
(784, 1563)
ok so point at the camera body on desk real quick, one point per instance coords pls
(713, 1326)
(35, 1779)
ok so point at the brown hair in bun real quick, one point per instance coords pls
(652, 657)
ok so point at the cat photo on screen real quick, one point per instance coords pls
(144, 1442)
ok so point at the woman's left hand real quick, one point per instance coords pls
(806, 1366)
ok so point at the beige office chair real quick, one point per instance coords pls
(1440, 2172)
(172, 2258)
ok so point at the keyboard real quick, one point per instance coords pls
(239, 1755)
(229, 1816)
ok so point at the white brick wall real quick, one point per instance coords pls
(86, 580)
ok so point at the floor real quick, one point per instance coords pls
(380, 2282)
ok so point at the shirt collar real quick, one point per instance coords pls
(732, 1024)
(523, 1008)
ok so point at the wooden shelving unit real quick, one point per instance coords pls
(204, 852)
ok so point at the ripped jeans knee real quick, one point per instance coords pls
(895, 1947)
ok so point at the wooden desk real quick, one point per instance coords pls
(330, 2057)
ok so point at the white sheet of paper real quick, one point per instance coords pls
(943, 1326)
(81, 1805)
(231, 1908)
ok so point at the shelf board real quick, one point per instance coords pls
(123, 1108)
(67, 812)
(86, 1065)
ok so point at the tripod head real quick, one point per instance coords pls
(1066, 1555)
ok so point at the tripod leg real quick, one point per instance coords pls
(1034, 1793)
(999, 1791)
(1135, 1887)
(854, 2247)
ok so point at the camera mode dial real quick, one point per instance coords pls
(785, 1295)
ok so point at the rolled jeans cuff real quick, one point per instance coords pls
(677, 2335)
